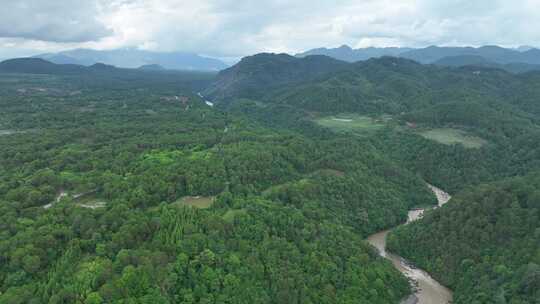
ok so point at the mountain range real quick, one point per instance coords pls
(133, 58)
(346, 53)
(378, 85)
(42, 66)
(514, 60)
(474, 60)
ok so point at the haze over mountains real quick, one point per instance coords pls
(515, 60)
(42, 66)
(133, 58)
(346, 53)
(518, 60)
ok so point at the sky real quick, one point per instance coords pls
(236, 28)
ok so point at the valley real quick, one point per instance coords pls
(283, 187)
(270, 152)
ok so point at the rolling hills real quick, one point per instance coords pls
(513, 60)
(346, 53)
(384, 85)
(132, 58)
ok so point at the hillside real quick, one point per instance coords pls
(253, 76)
(489, 105)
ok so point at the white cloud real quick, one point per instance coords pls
(57, 21)
(228, 28)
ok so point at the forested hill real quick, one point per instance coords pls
(500, 108)
(253, 76)
(387, 84)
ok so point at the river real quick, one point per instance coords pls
(428, 291)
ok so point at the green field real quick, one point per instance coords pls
(201, 202)
(352, 123)
(450, 136)
(90, 201)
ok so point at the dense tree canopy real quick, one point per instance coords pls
(129, 188)
(92, 186)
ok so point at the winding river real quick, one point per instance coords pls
(428, 291)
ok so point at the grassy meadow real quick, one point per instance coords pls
(449, 136)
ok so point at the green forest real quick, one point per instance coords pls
(123, 186)
(92, 171)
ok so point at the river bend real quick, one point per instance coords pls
(427, 290)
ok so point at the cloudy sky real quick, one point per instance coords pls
(234, 28)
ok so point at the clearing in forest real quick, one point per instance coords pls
(89, 200)
(6, 132)
(352, 123)
(449, 136)
(201, 202)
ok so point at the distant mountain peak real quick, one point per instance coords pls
(346, 53)
(152, 67)
(100, 65)
(345, 47)
(491, 46)
(525, 48)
